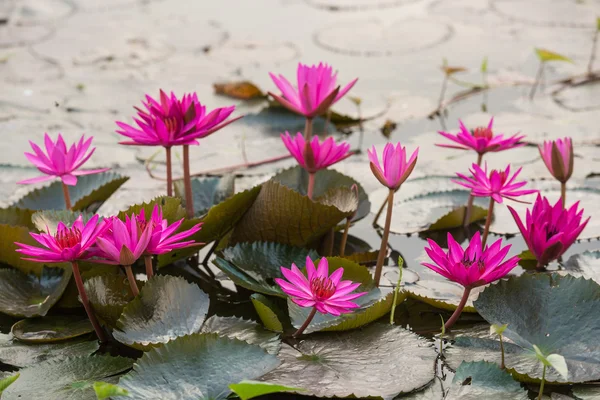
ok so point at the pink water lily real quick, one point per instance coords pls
(60, 161)
(482, 139)
(558, 157)
(315, 92)
(124, 242)
(497, 185)
(549, 230)
(322, 154)
(396, 166)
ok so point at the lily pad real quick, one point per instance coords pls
(47, 220)
(483, 380)
(67, 379)
(108, 294)
(255, 265)
(268, 312)
(199, 366)
(19, 354)
(442, 294)
(51, 329)
(586, 264)
(296, 178)
(207, 192)
(560, 316)
(219, 220)
(89, 194)
(586, 392)
(283, 215)
(378, 361)
(248, 331)
(16, 216)
(29, 295)
(166, 308)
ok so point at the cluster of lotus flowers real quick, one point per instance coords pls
(548, 229)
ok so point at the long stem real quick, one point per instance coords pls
(458, 311)
(311, 185)
(542, 384)
(538, 77)
(149, 269)
(593, 53)
(384, 239)
(443, 91)
(488, 221)
(306, 323)
(131, 279)
(563, 193)
(67, 196)
(86, 303)
(467, 220)
(187, 182)
(169, 173)
(344, 238)
(396, 290)
(308, 127)
(379, 212)
(502, 366)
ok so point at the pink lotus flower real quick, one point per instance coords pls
(473, 266)
(68, 244)
(396, 168)
(61, 162)
(499, 184)
(162, 237)
(548, 230)
(174, 122)
(328, 294)
(123, 243)
(558, 157)
(315, 93)
(321, 156)
(482, 139)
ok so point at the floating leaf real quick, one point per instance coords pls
(16, 216)
(70, 378)
(483, 380)
(547, 55)
(586, 392)
(267, 312)
(250, 389)
(107, 390)
(335, 365)
(166, 308)
(586, 264)
(7, 381)
(108, 295)
(442, 294)
(283, 215)
(207, 192)
(255, 265)
(51, 329)
(243, 90)
(343, 198)
(560, 316)
(29, 295)
(47, 220)
(199, 366)
(89, 194)
(248, 331)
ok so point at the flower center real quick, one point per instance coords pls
(67, 238)
(171, 124)
(501, 174)
(468, 263)
(482, 132)
(551, 231)
(322, 288)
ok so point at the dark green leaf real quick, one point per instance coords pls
(51, 329)
(378, 361)
(248, 331)
(199, 366)
(31, 296)
(67, 379)
(207, 192)
(171, 209)
(108, 294)
(483, 380)
(166, 308)
(268, 312)
(250, 389)
(107, 390)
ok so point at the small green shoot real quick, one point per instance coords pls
(396, 289)
(107, 390)
(555, 361)
(499, 330)
(442, 336)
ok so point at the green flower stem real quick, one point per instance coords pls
(396, 290)
(169, 173)
(149, 269)
(67, 196)
(384, 239)
(187, 182)
(467, 220)
(458, 311)
(86, 303)
(542, 384)
(488, 221)
(502, 365)
(306, 323)
(311, 185)
(563, 193)
(131, 279)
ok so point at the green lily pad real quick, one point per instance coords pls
(106, 390)
(296, 178)
(366, 258)
(586, 392)
(378, 361)
(8, 380)
(16, 216)
(207, 192)
(560, 316)
(19, 354)
(483, 380)
(434, 211)
(250, 389)
(248, 331)
(586, 264)
(199, 366)
(270, 315)
(108, 294)
(47, 220)
(166, 308)
(219, 220)
(255, 265)
(89, 194)
(29, 295)
(442, 294)
(51, 329)
(67, 379)
(283, 215)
